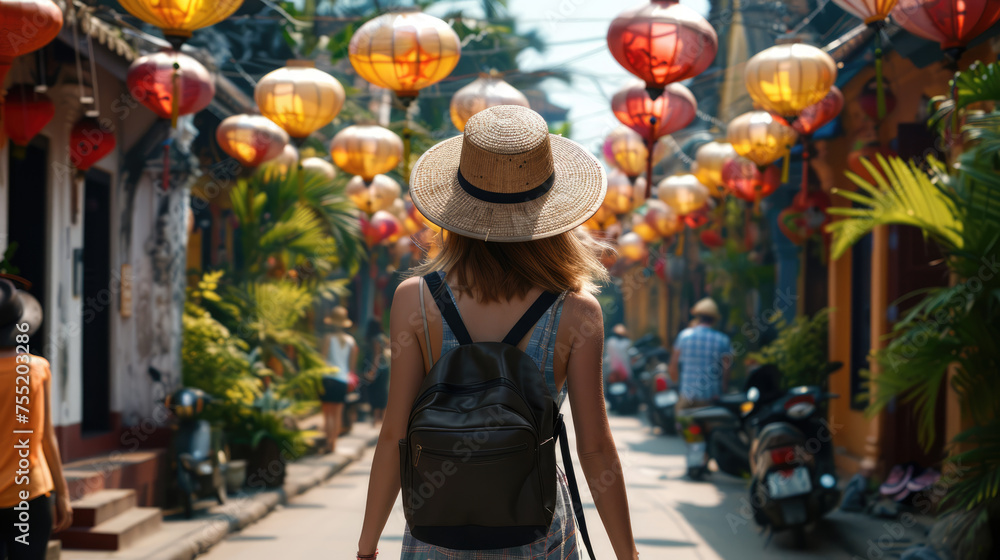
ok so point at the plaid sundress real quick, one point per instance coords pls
(560, 542)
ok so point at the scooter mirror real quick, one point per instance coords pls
(753, 394)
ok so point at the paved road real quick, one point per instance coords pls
(673, 518)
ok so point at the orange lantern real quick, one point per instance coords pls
(622, 196)
(626, 151)
(815, 116)
(785, 79)
(673, 110)
(601, 219)
(488, 90)
(645, 232)
(661, 218)
(380, 228)
(746, 181)
(319, 166)
(761, 137)
(709, 159)
(251, 139)
(404, 52)
(372, 196)
(683, 193)
(366, 150)
(871, 11)
(178, 18)
(299, 98)
(415, 215)
(632, 247)
(27, 25)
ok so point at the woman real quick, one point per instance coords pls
(509, 194)
(376, 372)
(27, 493)
(341, 352)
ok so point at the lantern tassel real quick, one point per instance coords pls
(175, 106)
(879, 86)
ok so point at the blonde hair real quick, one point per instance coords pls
(492, 271)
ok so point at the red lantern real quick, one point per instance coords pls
(745, 180)
(711, 239)
(813, 117)
(170, 84)
(952, 23)
(869, 152)
(673, 110)
(381, 227)
(89, 142)
(701, 216)
(868, 100)
(662, 42)
(26, 113)
(27, 25)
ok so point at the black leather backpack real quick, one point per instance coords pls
(478, 464)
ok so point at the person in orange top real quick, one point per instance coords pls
(30, 465)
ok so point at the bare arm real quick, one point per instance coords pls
(594, 443)
(64, 513)
(407, 372)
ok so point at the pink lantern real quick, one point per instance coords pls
(952, 23)
(818, 114)
(379, 228)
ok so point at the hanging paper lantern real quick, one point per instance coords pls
(746, 181)
(870, 153)
(488, 90)
(412, 221)
(662, 42)
(153, 79)
(415, 215)
(710, 158)
(626, 151)
(25, 113)
(372, 196)
(814, 206)
(673, 110)
(299, 98)
(178, 18)
(701, 216)
(622, 196)
(27, 25)
(871, 11)
(251, 139)
(868, 99)
(404, 52)
(952, 23)
(761, 137)
(379, 228)
(89, 142)
(319, 166)
(601, 220)
(282, 164)
(815, 116)
(785, 79)
(711, 239)
(683, 193)
(366, 150)
(661, 218)
(645, 232)
(632, 247)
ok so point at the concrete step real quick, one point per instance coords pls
(98, 507)
(121, 531)
(54, 551)
(143, 471)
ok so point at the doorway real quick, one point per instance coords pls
(97, 297)
(27, 224)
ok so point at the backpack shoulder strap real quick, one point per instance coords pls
(574, 490)
(530, 317)
(447, 307)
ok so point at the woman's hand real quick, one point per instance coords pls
(64, 514)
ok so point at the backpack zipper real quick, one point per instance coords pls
(479, 453)
(474, 388)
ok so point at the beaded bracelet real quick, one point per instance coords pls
(372, 556)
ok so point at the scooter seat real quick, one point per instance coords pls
(779, 434)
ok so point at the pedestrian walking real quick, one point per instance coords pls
(341, 352)
(510, 269)
(616, 359)
(376, 369)
(34, 499)
(701, 358)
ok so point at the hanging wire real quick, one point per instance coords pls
(95, 110)
(76, 54)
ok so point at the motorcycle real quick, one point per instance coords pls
(662, 401)
(793, 479)
(198, 454)
(622, 394)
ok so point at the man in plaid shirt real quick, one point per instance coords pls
(701, 358)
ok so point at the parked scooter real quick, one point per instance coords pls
(199, 457)
(662, 402)
(622, 394)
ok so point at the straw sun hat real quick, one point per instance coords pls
(507, 179)
(338, 318)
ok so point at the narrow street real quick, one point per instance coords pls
(672, 516)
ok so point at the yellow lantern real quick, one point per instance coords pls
(366, 150)
(683, 193)
(661, 218)
(372, 196)
(250, 139)
(785, 79)
(488, 90)
(622, 196)
(645, 232)
(178, 18)
(404, 52)
(632, 247)
(625, 149)
(299, 98)
(287, 160)
(601, 219)
(709, 160)
(761, 137)
(319, 166)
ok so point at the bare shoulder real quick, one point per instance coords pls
(405, 312)
(583, 311)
